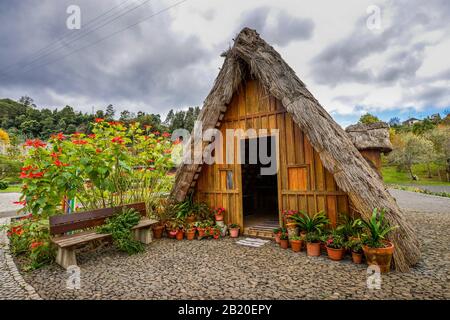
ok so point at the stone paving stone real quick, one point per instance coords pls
(221, 269)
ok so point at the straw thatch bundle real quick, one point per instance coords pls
(252, 57)
(370, 136)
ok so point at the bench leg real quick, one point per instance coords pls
(143, 235)
(66, 257)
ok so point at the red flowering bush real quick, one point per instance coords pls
(29, 237)
(115, 164)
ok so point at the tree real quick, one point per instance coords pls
(110, 112)
(368, 119)
(27, 101)
(423, 126)
(410, 149)
(395, 121)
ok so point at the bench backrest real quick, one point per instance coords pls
(81, 220)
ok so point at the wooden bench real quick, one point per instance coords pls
(67, 243)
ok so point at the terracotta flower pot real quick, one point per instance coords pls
(296, 245)
(277, 237)
(157, 232)
(313, 249)
(180, 235)
(234, 232)
(201, 232)
(172, 234)
(284, 244)
(190, 234)
(380, 256)
(335, 254)
(219, 217)
(357, 257)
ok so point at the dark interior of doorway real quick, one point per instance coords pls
(259, 191)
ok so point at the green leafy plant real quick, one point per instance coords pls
(120, 228)
(349, 227)
(335, 240)
(191, 208)
(295, 238)
(355, 245)
(276, 230)
(30, 237)
(312, 237)
(3, 185)
(284, 236)
(316, 223)
(234, 226)
(376, 229)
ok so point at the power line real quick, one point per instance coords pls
(108, 36)
(84, 35)
(60, 38)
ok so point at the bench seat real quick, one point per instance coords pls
(60, 226)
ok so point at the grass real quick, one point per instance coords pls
(12, 188)
(392, 176)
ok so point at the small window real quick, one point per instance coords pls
(230, 180)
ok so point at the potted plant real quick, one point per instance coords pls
(308, 224)
(163, 210)
(180, 233)
(284, 240)
(215, 232)
(296, 243)
(356, 248)
(312, 244)
(158, 231)
(277, 233)
(190, 232)
(218, 213)
(377, 249)
(335, 246)
(234, 230)
(290, 222)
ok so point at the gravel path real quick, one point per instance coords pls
(221, 269)
(7, 207)
(433, 188)
(419, 202)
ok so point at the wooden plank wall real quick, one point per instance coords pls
(303, 182)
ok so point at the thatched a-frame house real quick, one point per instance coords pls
(319, 168)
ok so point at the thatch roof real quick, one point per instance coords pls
(252, 57)
(370, 136)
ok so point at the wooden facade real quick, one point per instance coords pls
(303, 182)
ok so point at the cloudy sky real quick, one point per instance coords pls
(351, 61)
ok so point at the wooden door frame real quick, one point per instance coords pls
(239, 174)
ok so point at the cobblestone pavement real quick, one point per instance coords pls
(12, 285)
(221, 269)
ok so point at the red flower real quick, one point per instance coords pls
(156, 133)
(76, 134)
(60, 164)
(36, 244)
(178, 141)
(17, 230)
(98, 150)
(115, 123)
(60, 136)
(54, 155)
(22, 203)
(166, 135)
(79, 142)
(118, 140)
(36, 175)
(23, 175)
(92, 136)
(98, 120)
(167, 151)
(147, 126)
(35, 143)
(28, 168)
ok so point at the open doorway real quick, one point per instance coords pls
(259, 190)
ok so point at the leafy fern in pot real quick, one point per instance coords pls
(376, 229)
(120, 228)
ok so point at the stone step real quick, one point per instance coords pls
(260, 233)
